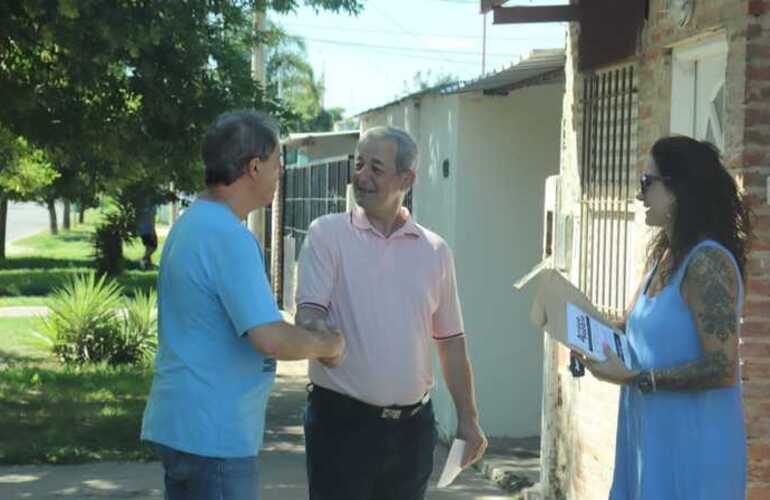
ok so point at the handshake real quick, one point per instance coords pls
(331, 341)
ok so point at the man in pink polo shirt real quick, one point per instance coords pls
(389, 285)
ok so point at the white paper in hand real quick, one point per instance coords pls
(587, 335)
(453, 462)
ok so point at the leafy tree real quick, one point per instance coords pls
(291, 78)
(130, 85)
(24, 172)
(120, 91)
(423, 80)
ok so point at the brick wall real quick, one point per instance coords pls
(579, 425)
(752, 173)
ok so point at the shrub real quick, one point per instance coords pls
(118, 226)
(90, 322)
(108, 242)
(139, 332)
(83, 323)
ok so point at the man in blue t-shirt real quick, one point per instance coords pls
(219, 329)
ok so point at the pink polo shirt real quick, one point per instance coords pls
(391, 297)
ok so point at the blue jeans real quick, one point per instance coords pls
(193, 477)
(354, 455)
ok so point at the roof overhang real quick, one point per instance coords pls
(609, 29)
(310, 138)
(540, 67)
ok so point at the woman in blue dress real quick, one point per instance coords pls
(681, 432)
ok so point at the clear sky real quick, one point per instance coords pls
(366, 59)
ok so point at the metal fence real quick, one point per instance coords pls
(609, 148)
(313, 190)
(316, 189)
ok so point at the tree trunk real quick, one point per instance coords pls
(3, 224)
(52, 216)
(81, 213)
(65, 217)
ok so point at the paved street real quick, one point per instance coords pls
(283, 476)
(26, 219)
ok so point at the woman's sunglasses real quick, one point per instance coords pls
(646, 181)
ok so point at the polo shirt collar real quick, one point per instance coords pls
(360, 220)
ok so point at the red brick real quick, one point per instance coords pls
(759, 286)
(758, 491)
(754, 308)
(754, 369)
(751, 347)
(758, 428)
(759, 472)
(756, 116)
(754, 31)
(758, 73)
(757, 409)
(757, 156)
(758, 7)
(756, 391)
(759, 451)
(757, 50)
(760, 222)
(758, 137)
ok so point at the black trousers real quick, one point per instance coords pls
(353, 453)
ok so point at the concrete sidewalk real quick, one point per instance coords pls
(283, 473)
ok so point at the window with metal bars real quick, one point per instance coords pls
(608, 180)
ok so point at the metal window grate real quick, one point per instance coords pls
(609, 148)
(311, 191)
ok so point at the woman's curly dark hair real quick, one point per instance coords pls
(708, 204)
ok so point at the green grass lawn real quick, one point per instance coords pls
(50, 413)
(53, 414)
(37, 265)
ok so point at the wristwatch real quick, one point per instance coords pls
(645, 381)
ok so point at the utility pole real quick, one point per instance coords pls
(484, 47)
(256, 219)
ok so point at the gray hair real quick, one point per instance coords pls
(232, 140)
(406, 148)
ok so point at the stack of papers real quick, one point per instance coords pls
(452, 467)
(587, 335)
(569, 317)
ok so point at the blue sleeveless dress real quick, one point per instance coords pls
(676, 445)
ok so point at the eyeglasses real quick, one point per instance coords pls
(646, 180)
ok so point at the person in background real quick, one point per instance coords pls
(145, 228)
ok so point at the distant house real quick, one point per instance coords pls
(301, 149)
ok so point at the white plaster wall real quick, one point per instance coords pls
(508, 146)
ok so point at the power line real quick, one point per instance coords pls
(406, 49)
(392, 32)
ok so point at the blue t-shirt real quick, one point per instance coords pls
(211, 386)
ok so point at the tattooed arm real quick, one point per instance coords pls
(710, 289)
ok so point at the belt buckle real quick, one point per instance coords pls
(392, 413)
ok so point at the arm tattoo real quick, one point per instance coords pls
(711, 294)
(714, 290)
(706, 373)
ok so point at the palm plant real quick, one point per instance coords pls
(83, 321)
(139, 330)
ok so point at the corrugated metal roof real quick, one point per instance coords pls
(535, 69)
(539, 67)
